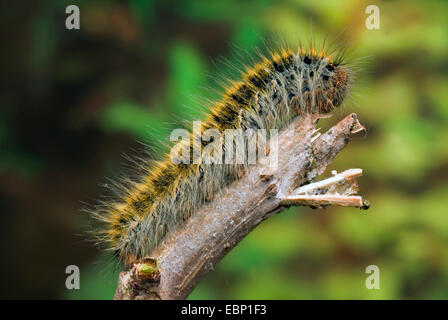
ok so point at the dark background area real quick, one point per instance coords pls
(73, 101)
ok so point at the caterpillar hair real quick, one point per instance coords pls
(283, 85)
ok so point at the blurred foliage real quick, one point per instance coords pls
(74, 101)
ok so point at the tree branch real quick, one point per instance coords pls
(176, 267)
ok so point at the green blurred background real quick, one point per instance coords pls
(73, 101)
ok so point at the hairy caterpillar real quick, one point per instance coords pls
(270, 95)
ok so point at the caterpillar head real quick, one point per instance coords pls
(335, 83)
(325, 83)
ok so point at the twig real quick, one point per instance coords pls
(175, 268)
(337, 190)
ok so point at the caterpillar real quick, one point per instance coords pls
(284, 85)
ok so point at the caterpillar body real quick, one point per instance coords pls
(270, 95)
